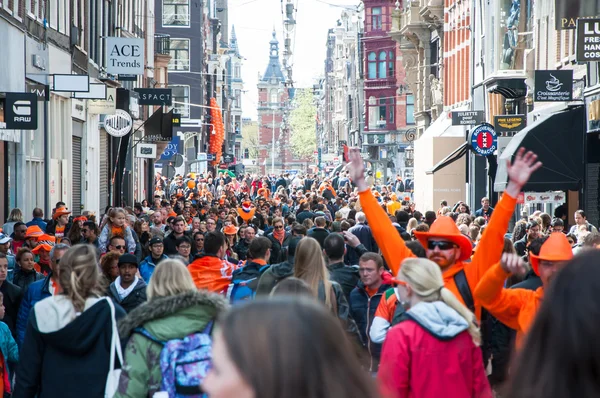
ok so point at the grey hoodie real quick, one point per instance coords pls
(439, 319)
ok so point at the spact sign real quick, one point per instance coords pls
(124, 56)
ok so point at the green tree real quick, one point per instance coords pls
(303, 140)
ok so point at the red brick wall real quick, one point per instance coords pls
(457, 52)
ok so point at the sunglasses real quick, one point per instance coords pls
(200, 240)
(119, 247)
(278, 227)
(442, 245)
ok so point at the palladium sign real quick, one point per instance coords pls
(119, 124)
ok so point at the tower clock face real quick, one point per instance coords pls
(273, 52)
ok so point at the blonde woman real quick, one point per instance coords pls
(175, 309)
(433, 351)
(412, 224)
(65, 351)
(14, 217)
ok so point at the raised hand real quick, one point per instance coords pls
(356, 169)
(513, 264)
(519, 172)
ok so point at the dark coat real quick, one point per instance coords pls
(24, 278)
(273, 275)
(37, 291)
(278, 250)
(170, 243)
(249, 272)
(51, 228)
(521, 246)
(319, 234)
(80, 349)
(12, 300)
(304, 215)
(241, 248)
(364, 234)
(346, 276)
(133, 300)
(363, 308)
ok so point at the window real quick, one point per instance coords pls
(391, 61)
(379, 112)
(376, 18)
(176, 13)
(237, 72)
(382, 65)
(33, 8)
(274, 99)
(180, 55)
(246, 153)
(410, 109)
(181, 100)
(434, 49)
(381, 122)
(372, 65)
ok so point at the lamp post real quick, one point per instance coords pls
(273, 143)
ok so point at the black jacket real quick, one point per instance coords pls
(364, 234)
(319, 234)
(363, 308)
(241, 248)
(273, 275)
(133, 300)
(521, 246)
(12, 300)
(278, 250)
(170, 243)
(51, 228)
(70, 362)
(343, 311)
(346, 276)
(303, 215)
(24, 278)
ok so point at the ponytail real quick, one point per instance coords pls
(451, 301)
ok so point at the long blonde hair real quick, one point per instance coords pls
(170, 278)
(425, 278)
(309, 265)
(79, 275)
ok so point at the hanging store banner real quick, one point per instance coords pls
(566, 12)
(557, 197)
(119, 124)
(107, 106)
(553, 86)
(154, 96)
(483, 140)
(147, 151)
(507, 126)
(588, 40)
(467, 118)
(124, 56)
(41, 91)
(20, 111)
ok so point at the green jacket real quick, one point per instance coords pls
(166, 318)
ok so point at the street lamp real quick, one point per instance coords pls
(274, 108)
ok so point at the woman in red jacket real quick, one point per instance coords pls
(433, 351)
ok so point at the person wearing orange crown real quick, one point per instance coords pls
(246, 211)
(516, 308)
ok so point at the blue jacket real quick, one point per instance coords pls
(35, 292)
(8, 346)
(362, 309)
(39, 222)
(147, 267)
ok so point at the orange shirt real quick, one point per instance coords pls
(516, 308)
(211, 273)
(489, 249)
(370, 291)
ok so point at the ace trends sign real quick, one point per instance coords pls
(124, 56)
(20, 111)
(553, 85)
(154, 96)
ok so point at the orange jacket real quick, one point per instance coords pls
(392, 206)
(211, 273)
(488, 253)
(516, 308)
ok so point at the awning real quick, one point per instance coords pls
(557, 139)
(453, 157)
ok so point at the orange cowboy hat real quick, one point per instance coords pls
(230, 230)
(556, 248)
(45, 242)
(444, 227)
(33, 232)
(246, 211)
(61, 211)
(80, 218)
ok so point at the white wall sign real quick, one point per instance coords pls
(73, 83)
(118, 124)
(104, 107)
(97, 91)
(124, 56)
(146, 151)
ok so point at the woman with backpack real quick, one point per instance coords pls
(175, 310)
(298, 349)
(65, 352)
(433, 351)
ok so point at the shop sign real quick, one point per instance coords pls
(124, 56)
(228, 158)
(558, 197)
(41, 91)
(483, 140)
(566, 12)
(20, 111)
(211, 157)
(593, 113)
(176, 119)
(154, 96)
(588, 40)
(146, 151)
(119, 124)
(553, 85)
(467, 118)
(509, 125)
(106, 106)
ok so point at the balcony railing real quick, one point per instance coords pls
(162, 44)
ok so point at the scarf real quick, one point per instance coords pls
(279, 234)
(123, 293)
(117, 231)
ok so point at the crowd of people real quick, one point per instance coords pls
(227, 285)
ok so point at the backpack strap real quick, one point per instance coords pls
(147, 334)
(209, 328)
(464, 289)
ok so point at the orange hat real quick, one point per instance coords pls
(230, 230)
(191, 184)
(444, 227)
(556, 248)
(246, 212)
(45, 242)
(222, 199)
(80, 218)
(33, 232)
(61, 211)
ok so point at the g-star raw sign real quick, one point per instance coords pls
(553, 85)
(124, 56)
(467, 118)
(154, 96)
(588, 40)
(119, 124)
(20, 111)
